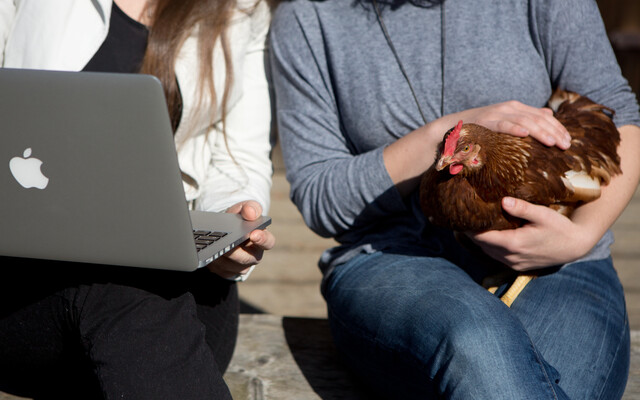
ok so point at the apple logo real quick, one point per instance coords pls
(27, 171)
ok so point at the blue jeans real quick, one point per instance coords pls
(421, 327)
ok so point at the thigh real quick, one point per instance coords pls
(40, 354)
(420, 327)
(216, 299)
(67, 319)
(218, 309)
(144, 346)
(577, 319)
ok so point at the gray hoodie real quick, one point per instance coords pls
(341, 97)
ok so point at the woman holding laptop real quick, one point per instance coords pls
(115, 332)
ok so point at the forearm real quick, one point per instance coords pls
(408, 157)
(598, 216)
(336, 195)
(240, 167)
(229, 185)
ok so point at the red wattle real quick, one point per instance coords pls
(455, 168)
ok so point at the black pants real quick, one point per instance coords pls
(80, 331)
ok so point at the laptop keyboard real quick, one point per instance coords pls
(206, 238)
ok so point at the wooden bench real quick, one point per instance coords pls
(287, 358)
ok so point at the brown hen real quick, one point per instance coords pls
(476, 167)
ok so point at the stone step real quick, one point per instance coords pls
(288, 358)
(283, 358)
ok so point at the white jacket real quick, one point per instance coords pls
(65, 34)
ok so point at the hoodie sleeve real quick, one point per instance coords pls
(335, 187)
(7, 14)
(240, 167)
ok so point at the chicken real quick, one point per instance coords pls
(476, 167)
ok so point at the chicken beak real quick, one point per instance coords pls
(443, 163)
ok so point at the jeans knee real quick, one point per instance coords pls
(479, 340)
(469, 341)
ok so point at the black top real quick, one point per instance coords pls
(124, 47)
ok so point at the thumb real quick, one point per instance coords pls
(533, 213)
(519, 208)
(250, 210)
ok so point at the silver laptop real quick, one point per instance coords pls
(89, 173)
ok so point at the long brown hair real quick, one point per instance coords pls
(173, 22)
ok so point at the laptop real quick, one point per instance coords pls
(89, 173)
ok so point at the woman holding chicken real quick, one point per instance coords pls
(365, 92)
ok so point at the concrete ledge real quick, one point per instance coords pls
(283, 358)
(288, 358)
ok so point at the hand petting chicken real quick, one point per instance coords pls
(476, 167)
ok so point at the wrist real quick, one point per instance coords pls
(407, 158)
(584, 237)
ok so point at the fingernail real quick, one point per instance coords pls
(509, 202)
(255, 212)
(551, 140)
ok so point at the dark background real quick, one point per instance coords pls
(622, 20)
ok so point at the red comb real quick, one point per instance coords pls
(451, 142)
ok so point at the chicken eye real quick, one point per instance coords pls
(466, 148)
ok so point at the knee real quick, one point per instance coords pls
(471, 341)
(477, 337)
